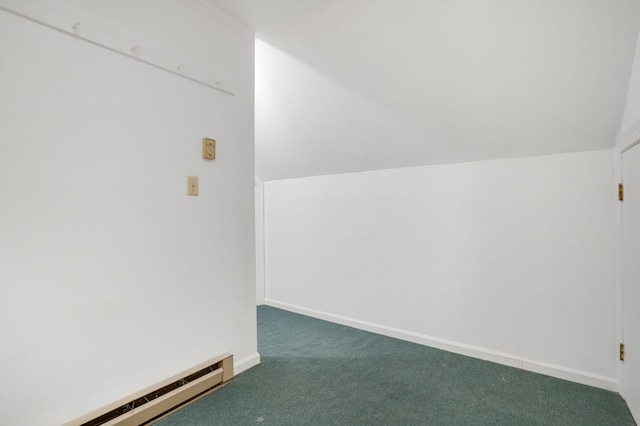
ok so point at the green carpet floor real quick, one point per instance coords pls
(319, 373)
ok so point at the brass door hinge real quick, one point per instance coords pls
(621, 351)
(620, 192)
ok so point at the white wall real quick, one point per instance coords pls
(259, 200)
(112, 277)
(508, 260)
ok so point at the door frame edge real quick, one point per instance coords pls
(624, 142)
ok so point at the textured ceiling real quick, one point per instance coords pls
(353, 85)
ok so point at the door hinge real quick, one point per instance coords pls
(620, 192)
(621, 351)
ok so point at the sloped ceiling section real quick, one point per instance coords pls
(354, 85)
(260, 15)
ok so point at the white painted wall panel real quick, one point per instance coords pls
(509, 256)
(112, 277)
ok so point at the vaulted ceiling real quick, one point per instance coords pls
(354, 85)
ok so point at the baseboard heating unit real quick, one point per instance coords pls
(157, 401)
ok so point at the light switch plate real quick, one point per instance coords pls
(208, 149)
(192, 185)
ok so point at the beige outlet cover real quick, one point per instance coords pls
(192, 185)
(208, 149)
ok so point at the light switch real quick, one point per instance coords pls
(208, 149)
(192, 185)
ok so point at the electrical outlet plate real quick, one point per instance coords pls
(192, 185)
(208, 149)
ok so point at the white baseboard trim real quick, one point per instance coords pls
(246, 363)
(572, 375)
(510, 360)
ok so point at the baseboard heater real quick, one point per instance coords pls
(155, 402)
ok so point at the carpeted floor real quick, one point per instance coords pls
(318, 373)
